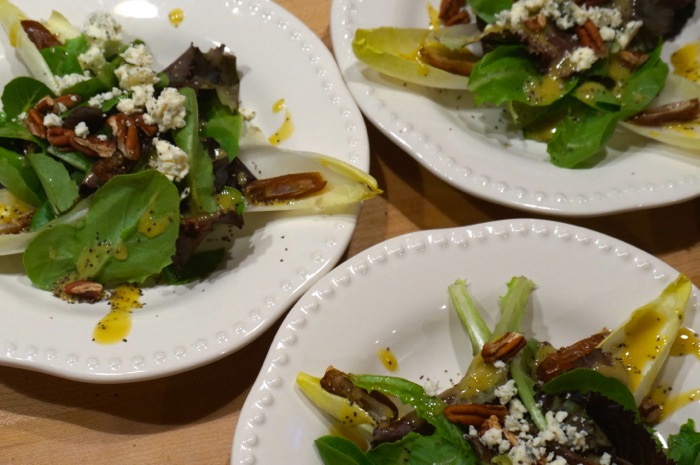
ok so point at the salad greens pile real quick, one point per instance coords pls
(520, 401)
(120, 170)
(566, 72)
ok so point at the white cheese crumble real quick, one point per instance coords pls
(99, 99)
(140, 96)
(530, 447)
(93, 59)
(101, 27)
(566, 14)
(69, 80)
(81, 129)
(138, 55)
(506, 392)
(137, 68)
(170, 160)
(582, 58)
(168, 111)
(52, 120)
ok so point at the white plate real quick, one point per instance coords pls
(395, 295)
(470, 149)
(275, 257)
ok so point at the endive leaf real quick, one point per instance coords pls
(643, 342)
(395, 52)
(10, 17)
(345, 185)
(338, 407)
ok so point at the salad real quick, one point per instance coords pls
(521, 400)
(565, 73)
(114, 172)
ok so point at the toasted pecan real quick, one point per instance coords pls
(504, 348)
(474, 414)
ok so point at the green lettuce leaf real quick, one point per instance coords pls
(684, 447)
(125, 232)
(395, 52)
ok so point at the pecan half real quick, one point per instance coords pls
(451, 12)
(94, 146)
(590, 37)
(60, 137)
(44, 105)
(474, 414)
(148, 129)
(65, 102)
(536, 23)
(84, 290)
(35, 123)
(126, 132)
(504, 348)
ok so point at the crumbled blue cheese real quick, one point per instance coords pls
(53, 120)
(93, 59)
(170, 160)
(168, 110)
(138, 55)
(81, 129)
(99, 99)
(69, 80)
(140, 96)
(566, 14)
(506, 392)
(515, 439)
(130, 76)
(101, 29)
(582, 58)
(137, 68)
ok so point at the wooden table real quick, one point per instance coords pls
(190, 418)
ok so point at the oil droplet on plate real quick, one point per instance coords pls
(116, 325)
(686, 61)
(388, 359)
(687, 343)
(287, 127)
(669, 402)
(176, 16)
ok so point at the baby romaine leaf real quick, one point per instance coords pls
(585, 380)
(16, 130)
(644, 84)
(580, 137)
(125, 232)
(19, 178)
(201, 175)
(21, 93)
(416, 449)
(427, 407)
(63, 59)
(684, 447)
(487, 9)
(223, 126)
(60, 189)
(337, 450)
(500, 76)
(407, 391)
